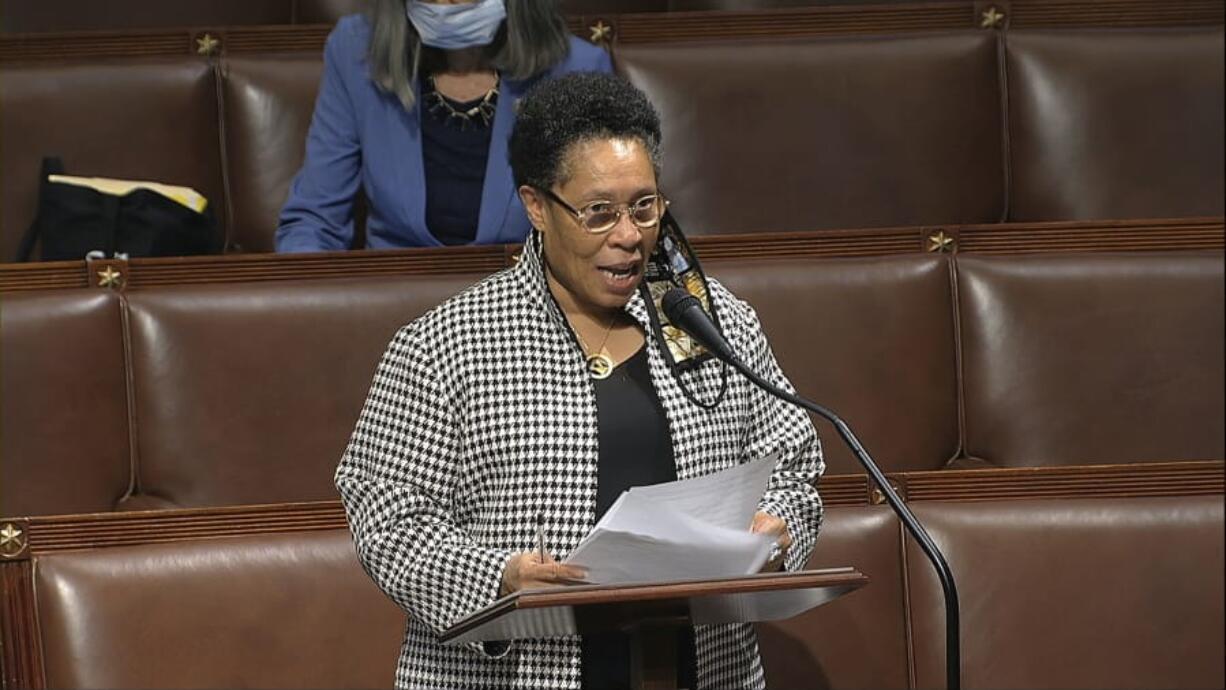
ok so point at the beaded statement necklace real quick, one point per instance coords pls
(481, 114)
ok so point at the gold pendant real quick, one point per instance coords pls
(599, 366)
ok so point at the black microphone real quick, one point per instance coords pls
(685, 312)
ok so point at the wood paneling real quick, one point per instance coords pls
(828, 20)
(1025, 14)
(1087, 236)
(653, 27)
(1092, 236)
(844, 490)
(21, 649)
(1083, 481)
(52, 533)
(100, 530)
(274, 39)
(87, 45)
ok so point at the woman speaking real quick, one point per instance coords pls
(547, 389)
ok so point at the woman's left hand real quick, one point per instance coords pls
(765, 523)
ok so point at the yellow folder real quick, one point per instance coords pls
(185, 196)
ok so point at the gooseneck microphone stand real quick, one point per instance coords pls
(686, 313)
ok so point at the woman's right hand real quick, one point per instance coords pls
(526, 570)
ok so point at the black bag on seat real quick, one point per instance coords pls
(73, 220)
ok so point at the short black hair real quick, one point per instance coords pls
(574, 108)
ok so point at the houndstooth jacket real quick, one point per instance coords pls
(482, 414)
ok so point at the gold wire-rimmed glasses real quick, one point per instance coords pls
(600, 217)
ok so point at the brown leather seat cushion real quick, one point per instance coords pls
(274, 611)
(248, 393)
(1116, 124)
(1093, 358)
(771, 135)
(1089, 593)
(64, 420)
(873, 339)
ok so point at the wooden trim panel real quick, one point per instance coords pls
(87, 45)
(654, 27)
(232, 268)
(831, 20)
(49, 275)
(274, 39)
(1091, 236)
(49, 534)
(1083, 236)
(52, 533)
(21, 649)
(844, 490)
(1027, 14)
(797, 22)
(1135, 480)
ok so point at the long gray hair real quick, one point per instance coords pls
(532, 39)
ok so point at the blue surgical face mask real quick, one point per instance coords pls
(451, 27)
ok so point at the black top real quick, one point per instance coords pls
(636, 449)
(454, 159)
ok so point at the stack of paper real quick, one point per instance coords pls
(689, 529)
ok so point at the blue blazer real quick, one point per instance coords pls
(361, 135)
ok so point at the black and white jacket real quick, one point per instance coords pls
(482, 414)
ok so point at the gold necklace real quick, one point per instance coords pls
(599, 365)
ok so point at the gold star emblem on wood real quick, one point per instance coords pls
(601, 32)
(207, 44)
(991, 18)
(109, 278)
(12, 540)
(940, 242)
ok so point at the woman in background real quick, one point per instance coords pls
(415, 109)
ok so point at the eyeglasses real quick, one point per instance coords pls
(600, 217)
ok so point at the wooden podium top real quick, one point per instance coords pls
(580, 609)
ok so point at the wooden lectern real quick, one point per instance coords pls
(650, 611)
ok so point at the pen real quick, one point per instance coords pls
(540, 535)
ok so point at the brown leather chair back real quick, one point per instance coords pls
(1093, 358)
(64, 420)
(274, 611)
(143, 119)
(1074, 593)
(860, 639)
(1116, 124)
(83, 15)
(775, 135)
(267, 101)
(872, 339)
(248, 393)
(326, 11)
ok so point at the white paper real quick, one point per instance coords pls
(728, 498)
(688, 529)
